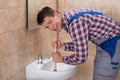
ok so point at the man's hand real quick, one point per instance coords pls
(57, 57)
(57, 44)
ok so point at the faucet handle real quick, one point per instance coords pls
(41, 57)
(44, 56)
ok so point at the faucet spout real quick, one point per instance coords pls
(41, 57)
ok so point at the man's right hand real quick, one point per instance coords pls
(57, 44)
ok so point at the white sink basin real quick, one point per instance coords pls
(45, 71)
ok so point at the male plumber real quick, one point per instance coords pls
(83, 25)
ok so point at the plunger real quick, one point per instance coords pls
(55, 64)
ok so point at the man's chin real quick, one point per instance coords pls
(57, 30)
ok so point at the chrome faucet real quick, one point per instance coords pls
(41, 57)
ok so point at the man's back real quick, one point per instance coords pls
(97, 26)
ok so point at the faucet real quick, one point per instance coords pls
(41, 57)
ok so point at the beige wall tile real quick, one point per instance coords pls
(115, 4)
(21, 17)
(13, 3)
(13, 41)
(22, 54)
(21, 3)
(4, 42)
(10, 66)
(4, 4)
(103, 4)
(37, 36)
(37, 49)
(2, 72)
(21, 38)
(4, 20)
(115, 14)
(77, 4)
(32, 19)
(40, 3)
(32, 3)
(29, 38)
(30, 54)
(14, 18)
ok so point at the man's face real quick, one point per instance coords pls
(52, 23)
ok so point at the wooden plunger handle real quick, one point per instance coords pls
(57, 50)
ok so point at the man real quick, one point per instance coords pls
(83, 25)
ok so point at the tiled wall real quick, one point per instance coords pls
(19, 47)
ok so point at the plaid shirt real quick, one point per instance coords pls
(82, 29)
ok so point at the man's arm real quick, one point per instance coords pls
(69, 46)
(79, 35)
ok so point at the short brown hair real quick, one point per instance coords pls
(46, 11)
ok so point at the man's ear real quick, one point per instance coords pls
(56, 13)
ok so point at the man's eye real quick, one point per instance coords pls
(46, 27)
(49, 22)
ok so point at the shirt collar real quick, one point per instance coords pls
(64, 21)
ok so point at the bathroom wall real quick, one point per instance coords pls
(19, 47)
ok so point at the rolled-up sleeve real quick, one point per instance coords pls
(69, 46)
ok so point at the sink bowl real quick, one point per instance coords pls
(45, 71)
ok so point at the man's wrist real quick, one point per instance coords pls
(63, 46)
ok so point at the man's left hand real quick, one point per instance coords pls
(57, 57)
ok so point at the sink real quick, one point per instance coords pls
(45, 71)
